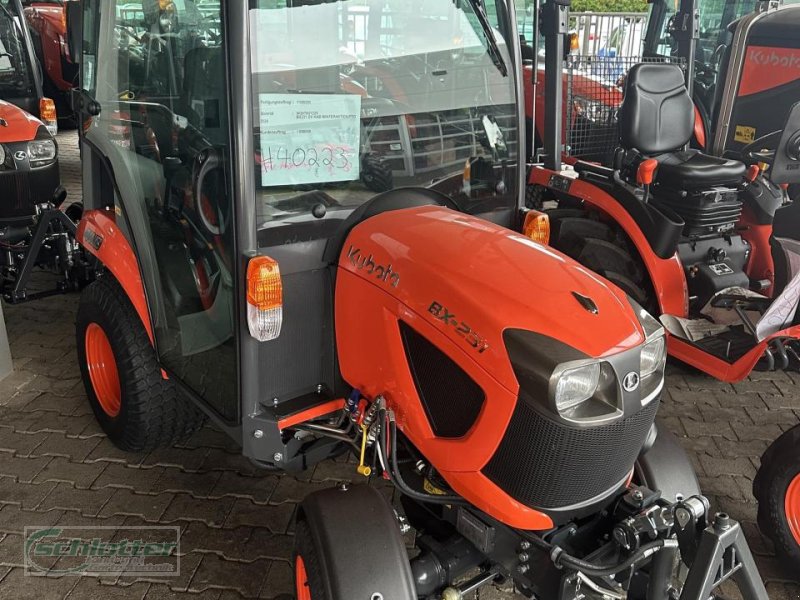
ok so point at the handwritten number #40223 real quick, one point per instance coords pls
(288, 158)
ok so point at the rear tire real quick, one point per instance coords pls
(137, 408)
(777, 489)
(600, 248)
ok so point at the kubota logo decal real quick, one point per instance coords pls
(631, 381)
(774, 58)
(445, 316)
(767, 68)
(368, 264)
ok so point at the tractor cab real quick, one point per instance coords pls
(385, 96)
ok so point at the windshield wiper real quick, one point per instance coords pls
(491, 44)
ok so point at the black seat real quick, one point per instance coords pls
(656, 119)
(693, 169)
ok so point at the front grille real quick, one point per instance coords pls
(435, 142)
(16, 200)
(451, 399)
(549, 465)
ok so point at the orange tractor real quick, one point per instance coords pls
(36, 226)
(250, 275)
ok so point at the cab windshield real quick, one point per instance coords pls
(15, 74)
(383, 94)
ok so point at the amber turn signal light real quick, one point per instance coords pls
(537, 227)
(47, 110)
(264, 298)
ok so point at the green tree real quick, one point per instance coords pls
(609, 6)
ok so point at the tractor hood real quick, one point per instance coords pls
(16, 125)
(472, 280)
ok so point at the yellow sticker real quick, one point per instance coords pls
(432, 489)
(745, 134)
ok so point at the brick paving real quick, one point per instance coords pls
(57, 468)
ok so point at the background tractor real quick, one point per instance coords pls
(36, 226)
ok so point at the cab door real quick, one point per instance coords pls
(157, 153)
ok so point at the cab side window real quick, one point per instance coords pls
(161, 82)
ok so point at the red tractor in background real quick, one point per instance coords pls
(47, 20)
(729, 83)
(677, 228)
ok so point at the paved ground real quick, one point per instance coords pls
(56, 467)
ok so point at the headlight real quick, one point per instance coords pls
(653, 357)
(41, 152)
(2, 155)
(575, 385)
(592, 109)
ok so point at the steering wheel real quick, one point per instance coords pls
(213, 220)
(762, 150)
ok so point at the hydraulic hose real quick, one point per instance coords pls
(557, 554)
(561, 559)
(394, 471)
(595, 570)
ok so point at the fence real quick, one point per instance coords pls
(609, 34)
(593, 96)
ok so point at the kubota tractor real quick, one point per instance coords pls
(34, 230)
(738, 56)
(689, 235)
(250, 275)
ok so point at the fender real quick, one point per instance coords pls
(699, 128)
(666, 467)
(99, 235)
(364, 560)
(666, 274)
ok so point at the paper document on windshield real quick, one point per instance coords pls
(781, 312)
(309, 138)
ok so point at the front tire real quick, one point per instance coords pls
(307, 570)
(602, 249)
(777, 489)
(136, 407)
(376, 174)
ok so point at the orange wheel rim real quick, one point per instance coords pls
(792, 507)
(301, 579)
(103, 370)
